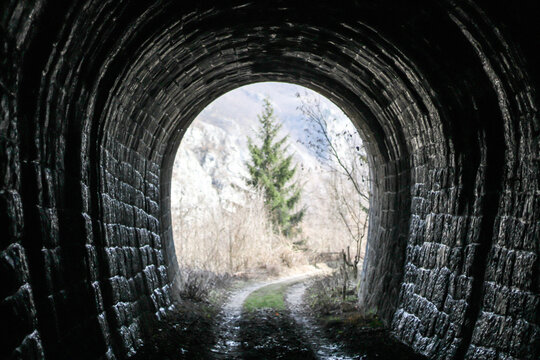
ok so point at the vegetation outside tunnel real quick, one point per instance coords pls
(268, 297)
(223, 223)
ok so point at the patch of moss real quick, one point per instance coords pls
(268, 297)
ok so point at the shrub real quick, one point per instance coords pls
(196, 284)
(233, 239)
(324, 295)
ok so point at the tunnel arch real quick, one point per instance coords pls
(95, 105)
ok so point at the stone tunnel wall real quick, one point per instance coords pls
(96, 95)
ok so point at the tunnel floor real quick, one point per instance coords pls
(293, 332)
(235, 332)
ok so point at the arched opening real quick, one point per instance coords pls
(230, 233)
(216, 212)
(95, 104)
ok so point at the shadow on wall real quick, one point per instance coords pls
(96, 95)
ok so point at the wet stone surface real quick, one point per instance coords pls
(96, 95)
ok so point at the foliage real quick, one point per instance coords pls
(235, 240)
(324, 296)
(325, 299)
(271, 170)
(196, 285)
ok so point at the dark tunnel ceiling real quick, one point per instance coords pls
(96, 96)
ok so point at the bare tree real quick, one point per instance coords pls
(348, 183)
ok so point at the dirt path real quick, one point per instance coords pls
(268, 320)
(313, 334)
(288, 331)
(228, 329)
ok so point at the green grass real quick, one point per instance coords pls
(271, 296)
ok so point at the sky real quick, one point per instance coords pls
(245, 103)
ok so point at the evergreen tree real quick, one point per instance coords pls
(271, 170)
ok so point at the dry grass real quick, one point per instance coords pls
(198, 285)
(232, 239)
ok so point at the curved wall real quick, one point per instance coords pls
(95, 97)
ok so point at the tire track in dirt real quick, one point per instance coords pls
(227, 330)
(313, 334)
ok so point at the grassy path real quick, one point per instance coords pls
(267, 329)
(271, 297)
(229, 342)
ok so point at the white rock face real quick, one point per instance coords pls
(208, 168)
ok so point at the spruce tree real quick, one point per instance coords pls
(271, 169)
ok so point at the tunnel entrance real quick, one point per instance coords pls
(226, 233)
(95, 97)
(220, 222)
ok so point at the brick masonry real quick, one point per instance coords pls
(95, 97)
